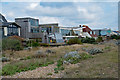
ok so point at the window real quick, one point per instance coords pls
(90, 32)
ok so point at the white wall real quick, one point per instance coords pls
(19, 31)
(5, 31)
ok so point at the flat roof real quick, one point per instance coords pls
(48, 24)
(26, 18)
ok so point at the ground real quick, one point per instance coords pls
(102, 65)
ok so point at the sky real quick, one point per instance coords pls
(96, 15)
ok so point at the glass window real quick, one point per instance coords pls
(90, 32)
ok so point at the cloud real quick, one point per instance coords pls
(32, 6)
(75, 13)
(45, 20)
(59, 0)
(72, 14)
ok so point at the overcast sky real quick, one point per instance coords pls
(96, 15)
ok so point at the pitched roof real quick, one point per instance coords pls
(3, 18)
(87, 29)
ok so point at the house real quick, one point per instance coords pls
(81, 31)
(8, 28)
(70, 32)
(51, 33)
(103, 32)
(29, 28)
(115, 33)
(87, 32)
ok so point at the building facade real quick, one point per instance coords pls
(29, 28)
(103, 32)
(49, 28)
(8, 28)
(51, 33)
(87, 32)
(70, 32)
(81, 31)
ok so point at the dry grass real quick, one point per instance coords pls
(99, 66)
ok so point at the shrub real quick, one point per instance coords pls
(50, 51)
(44, 44)
(115, 36)
(10, 69)
(35, 44)
(99, 39)
(95, 51)
(88, 40)
(74, 41)
(11, 44)
(49, 74)
(59, 63)
(85, 56)
(26, 58)
(39, 54)
(72, 57)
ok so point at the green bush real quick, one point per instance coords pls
(74, 41)
(85, 56)
(44, 44)
(35, 44)
(115, 37)
(59, 65)
(49, 74)
(11, 44)
(88, 40)
(10, 69)
(99, 39)
(59, 62)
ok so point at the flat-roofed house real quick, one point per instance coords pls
(70, 32)
(103, 32)
(29, 28)
(51, 33)
(81, 31)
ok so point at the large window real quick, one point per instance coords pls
(34, 22)
(12, 31)
(65, 32)
(35, 30)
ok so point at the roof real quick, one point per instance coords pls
(3, 18)
(116, 31)
(26, 18)
(48, 24)
(6, 24)
(101, 29)
(69, 27)
(86, 29)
